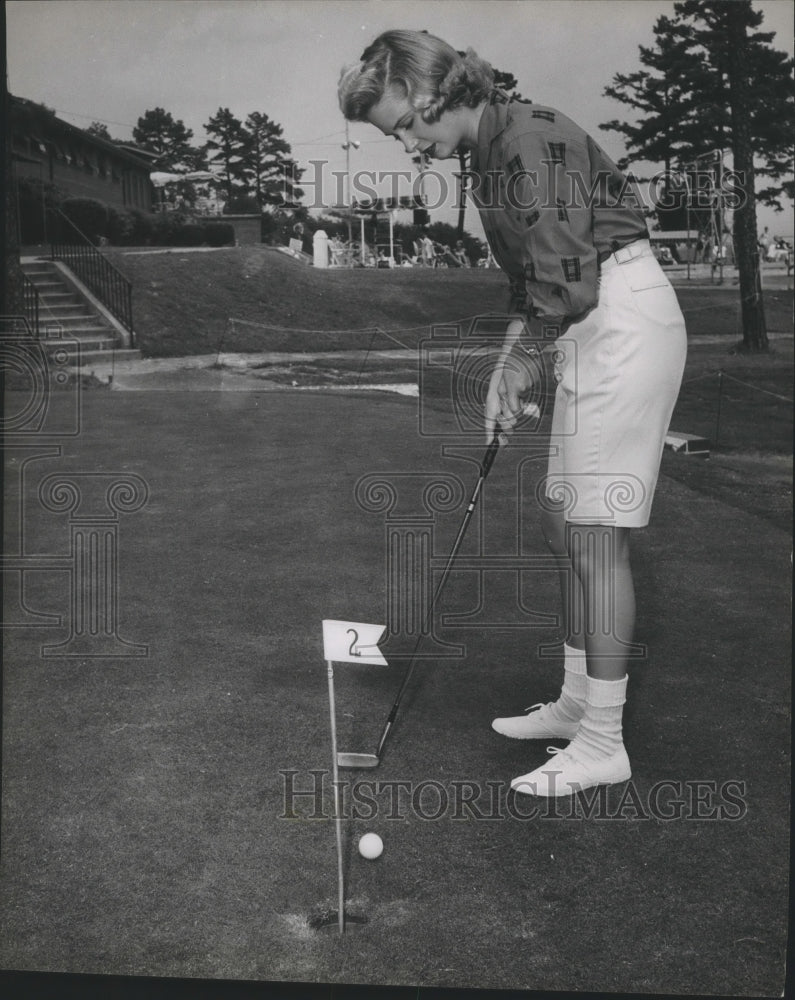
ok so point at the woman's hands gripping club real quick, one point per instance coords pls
(512, 381)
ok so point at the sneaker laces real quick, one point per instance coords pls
(569, 752)
(541, 705)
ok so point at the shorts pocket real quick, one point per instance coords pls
(643, 273)
(651, 292)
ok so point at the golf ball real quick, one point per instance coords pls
(370, 846)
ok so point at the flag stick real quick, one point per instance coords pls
(337, 817)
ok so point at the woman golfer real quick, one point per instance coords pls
(564, 225)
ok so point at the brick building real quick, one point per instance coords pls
(48, 150)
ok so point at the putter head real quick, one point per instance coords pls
(357, 760)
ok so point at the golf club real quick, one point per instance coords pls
(366, 760)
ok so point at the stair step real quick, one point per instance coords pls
(61, 331)
(92, 352)
(96, 338)
(95, 346)
(40, 271)
(55, 332)
(56, 292)
(72, 320)
(44, 278)
(65, 314)
(56, 305)
(65, 308)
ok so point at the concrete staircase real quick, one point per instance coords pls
(66, 315)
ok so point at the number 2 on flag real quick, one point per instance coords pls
(352, 642)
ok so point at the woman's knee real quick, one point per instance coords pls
(596, 550)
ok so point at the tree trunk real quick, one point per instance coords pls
(462, 203)
(13, 303)
(745, 236)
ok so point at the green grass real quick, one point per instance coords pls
(715, 309)
(142, 829)
(739, 402)
(142, 811)
(743, 405)
(183, 303)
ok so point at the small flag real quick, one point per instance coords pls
(352, 642)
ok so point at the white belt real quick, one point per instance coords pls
(640, 248)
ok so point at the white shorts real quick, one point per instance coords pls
(618, 373)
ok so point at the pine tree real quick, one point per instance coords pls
(158, 132)
(745, 233)
(681, 98)
(100, 130)
(717, 84)
(226, 149)
(264, 159)
(289, 193)
(666, 100)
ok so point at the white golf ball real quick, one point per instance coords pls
(370, 846)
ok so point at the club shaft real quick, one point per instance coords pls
(485, 467)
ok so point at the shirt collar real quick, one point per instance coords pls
(493, 122)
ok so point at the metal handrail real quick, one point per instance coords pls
(32, 304)
(75, 249)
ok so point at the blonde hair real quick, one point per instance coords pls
(421, 67)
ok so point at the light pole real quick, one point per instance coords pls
(421, 161)
(347, 147)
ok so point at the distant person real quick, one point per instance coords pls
(461, 254)
(487, 260)
(446, 255)
(765, 243)
(337, 251)
(581, 270)
(428, 252)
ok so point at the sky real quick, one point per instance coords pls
(111, 60)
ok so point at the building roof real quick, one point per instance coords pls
(38, 120)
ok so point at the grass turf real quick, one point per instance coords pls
(184, 302)
(144, 824)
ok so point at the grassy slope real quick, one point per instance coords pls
(184, 301)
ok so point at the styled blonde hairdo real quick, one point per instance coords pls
(426, 70)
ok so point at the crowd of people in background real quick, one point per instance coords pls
(425, 252)
(774, 248)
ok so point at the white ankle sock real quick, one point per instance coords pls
(600, 732)
(570, 705)
(573, 655)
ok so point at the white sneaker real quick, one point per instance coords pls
(539, 725)
(567, 774)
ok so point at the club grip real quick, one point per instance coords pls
(491, 453)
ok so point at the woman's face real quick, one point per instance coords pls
(395, 116)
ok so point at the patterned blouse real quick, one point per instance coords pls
(553, 206)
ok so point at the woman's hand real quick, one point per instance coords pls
(510, 385)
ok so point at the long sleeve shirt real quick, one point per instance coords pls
(553, 206)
